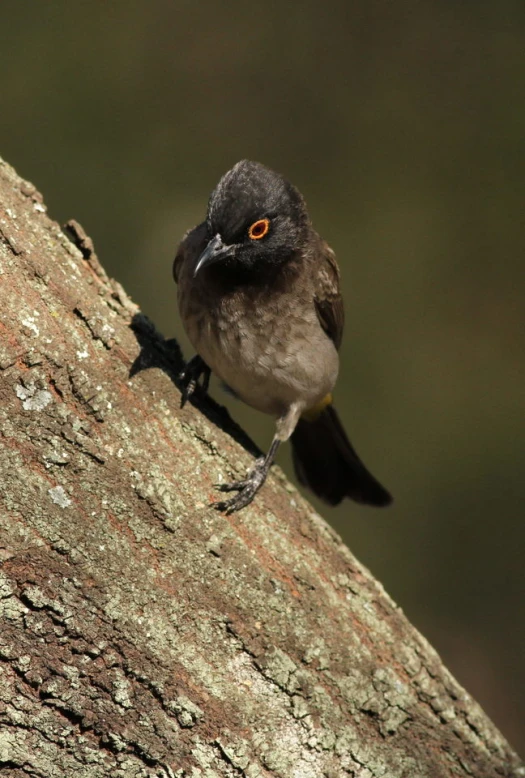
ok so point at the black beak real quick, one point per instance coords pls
(214, 252)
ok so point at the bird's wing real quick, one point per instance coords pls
(327, 296)
(191, 247)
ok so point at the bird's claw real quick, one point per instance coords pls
(189, 378)
(246, 489)
(241, 500)
(235, 486)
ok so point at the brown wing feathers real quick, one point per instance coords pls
(328, 299)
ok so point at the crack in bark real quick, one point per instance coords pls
(227, 758)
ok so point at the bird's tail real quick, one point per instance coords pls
(325, 462)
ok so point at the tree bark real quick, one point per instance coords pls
(142, 632)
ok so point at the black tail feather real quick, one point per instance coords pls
(325, 462)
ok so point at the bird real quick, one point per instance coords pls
(260, 301)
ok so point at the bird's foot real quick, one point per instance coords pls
(189, 378)
(247, 488)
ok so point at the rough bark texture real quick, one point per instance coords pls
(145, 634)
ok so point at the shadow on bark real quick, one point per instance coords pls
(166, 355)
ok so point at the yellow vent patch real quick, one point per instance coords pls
(315, 411)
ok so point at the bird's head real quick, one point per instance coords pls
(255, 219)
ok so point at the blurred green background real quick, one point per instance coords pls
(403, 124)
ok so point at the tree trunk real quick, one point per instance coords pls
(143, 633)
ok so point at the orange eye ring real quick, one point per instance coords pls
(259, 229)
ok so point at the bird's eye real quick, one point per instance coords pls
(259, 229)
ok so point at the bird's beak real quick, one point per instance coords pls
(215, 251)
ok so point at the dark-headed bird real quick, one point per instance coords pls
(259, 297)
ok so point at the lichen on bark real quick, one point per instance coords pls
(146, 634)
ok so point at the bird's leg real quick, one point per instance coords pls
(248, 488)
(189, 378)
